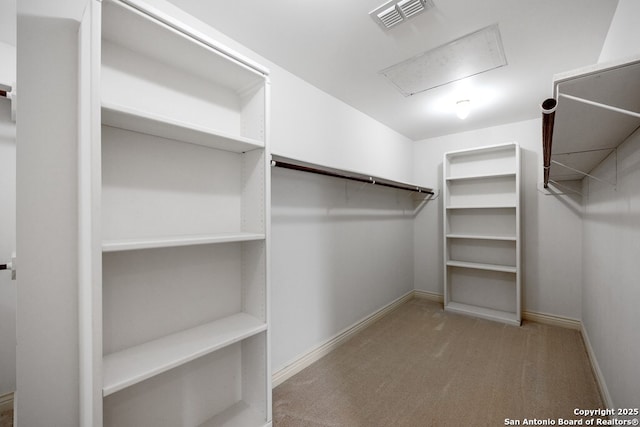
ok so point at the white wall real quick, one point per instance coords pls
(611, 295)
(551, 226)
(622, 38)
(8, 63)
(341, 250)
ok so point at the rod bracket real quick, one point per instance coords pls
(10, 266)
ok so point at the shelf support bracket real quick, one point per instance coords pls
(557, 189)
(601, 105)
(583, 173)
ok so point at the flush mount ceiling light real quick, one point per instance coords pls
(395, 12)
(467, 56)
(463, 107)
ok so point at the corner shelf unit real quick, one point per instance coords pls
(481, 195)
(174, 224)
(598, 108)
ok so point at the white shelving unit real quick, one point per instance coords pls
(482, 232)
(174, 224)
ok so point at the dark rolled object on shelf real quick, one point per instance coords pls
(548, 116)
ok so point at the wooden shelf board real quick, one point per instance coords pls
(480, 266)
(133, 365)
(175, 241)
(141, 121)
(481, 176)
(480, 237)
(503, 206)
(483, 312)
(237, 415)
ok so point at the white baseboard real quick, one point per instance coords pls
(431, 296)
(325, 348)
(550, 319)
(532, 316)
(602, 385)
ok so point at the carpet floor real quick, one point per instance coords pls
(419, 366)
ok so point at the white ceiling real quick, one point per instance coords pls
(338, 48)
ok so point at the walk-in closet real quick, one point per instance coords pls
(292, 214)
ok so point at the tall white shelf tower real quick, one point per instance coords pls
(174, 224)
(482, 232)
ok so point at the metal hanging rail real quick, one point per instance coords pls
(287, 163)
(548, 118)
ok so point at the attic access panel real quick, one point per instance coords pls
(467, 56)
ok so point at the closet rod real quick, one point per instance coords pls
(548, 117)
(335, 174)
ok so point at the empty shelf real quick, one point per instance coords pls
(481, 176)
(174, 241)
(238, 415)
(479, 237)
(479, 266)
(485, 313)
(133, 365)
(144, 122)
(501, 206)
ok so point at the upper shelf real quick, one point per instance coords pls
(141, 121)
(597, 109)
(155, 35)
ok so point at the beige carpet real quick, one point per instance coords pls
(6, 417)
(420, 366)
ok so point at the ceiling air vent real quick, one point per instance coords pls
(411, 7)
(390, 17)
(395, 12)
